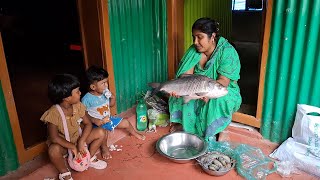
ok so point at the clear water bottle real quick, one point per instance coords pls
(142, 120)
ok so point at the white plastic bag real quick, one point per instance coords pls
(306, 128)
(304, 148)
(304, 157)
(286, 169)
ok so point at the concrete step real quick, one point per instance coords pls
(253, 138)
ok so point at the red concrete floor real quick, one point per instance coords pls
(140, 160)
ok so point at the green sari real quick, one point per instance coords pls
(208, 119)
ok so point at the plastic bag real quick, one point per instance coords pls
(158, 113)
(157, 119)
(306, 128)
(286, 168)
(156, 103)
(251, 163)
(305, 157)
(304, 148)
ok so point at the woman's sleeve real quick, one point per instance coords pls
(52, 116)
(229, 63)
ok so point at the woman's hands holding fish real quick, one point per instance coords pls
(205, 99)
(174, 94)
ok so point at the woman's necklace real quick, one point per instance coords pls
(206, 56)
(209, 54)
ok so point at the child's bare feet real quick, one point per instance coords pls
(105, 153)
(125, 124)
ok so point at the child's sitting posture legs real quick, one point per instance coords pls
(57, 152)
(95, 141)
(105, 153)
(125, 124)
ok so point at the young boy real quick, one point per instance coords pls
(98, 102)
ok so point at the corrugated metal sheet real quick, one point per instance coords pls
(139, 47)
(220, 10)
(8, 155)
(293, 67)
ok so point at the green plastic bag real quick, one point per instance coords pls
(251, 163)
(158, 118)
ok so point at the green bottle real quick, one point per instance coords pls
(142, 120)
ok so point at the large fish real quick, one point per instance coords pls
(191, 87)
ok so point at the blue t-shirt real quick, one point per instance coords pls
(98, 107)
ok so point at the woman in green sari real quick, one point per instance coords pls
(213, 56)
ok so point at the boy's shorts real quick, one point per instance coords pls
(114, 122)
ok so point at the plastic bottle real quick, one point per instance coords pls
(142, 120)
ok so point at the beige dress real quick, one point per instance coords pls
(73, 122)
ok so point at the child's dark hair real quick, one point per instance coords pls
(95, 73)
(61, 86)
(207, 26)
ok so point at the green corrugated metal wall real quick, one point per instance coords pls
(139, 47)
(220, 10)
(8, 153)
(293, 67)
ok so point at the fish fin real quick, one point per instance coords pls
(154, 85)
(185, 75)
(201, 93)
(156, 88)
(186, 99)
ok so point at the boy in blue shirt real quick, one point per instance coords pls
(98, 102)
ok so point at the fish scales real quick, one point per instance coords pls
(192, 87)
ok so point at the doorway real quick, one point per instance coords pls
(39, 39)
(247, 35)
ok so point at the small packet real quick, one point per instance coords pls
(107, 93)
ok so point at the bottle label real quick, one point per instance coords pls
(143, 119)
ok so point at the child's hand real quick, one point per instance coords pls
(107, 93)
(106, 120)
(112, 100)
(81, 147)
(98, 122)
(75, 152)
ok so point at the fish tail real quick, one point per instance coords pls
(156, 88)
(154, 91)
(154, 85)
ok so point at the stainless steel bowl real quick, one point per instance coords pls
(220, 172)
(181, 147)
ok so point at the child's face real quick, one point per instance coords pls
(75, 96)
(100, 86)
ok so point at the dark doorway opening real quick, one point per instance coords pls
(38, 38)
(247, 35)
